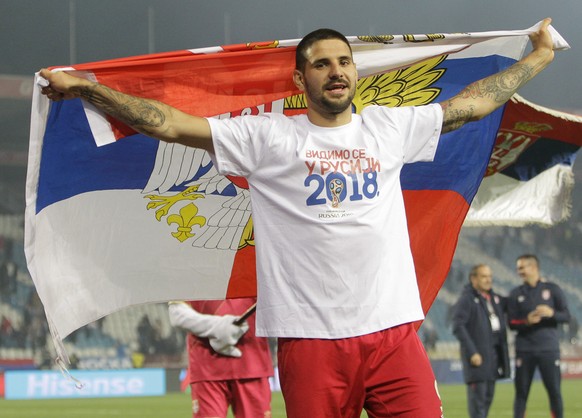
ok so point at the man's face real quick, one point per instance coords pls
(483, 279)
(527, 269)
(329, 78)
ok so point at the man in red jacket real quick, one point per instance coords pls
(227, 364)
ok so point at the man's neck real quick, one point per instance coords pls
(329, 120)
(532, 282)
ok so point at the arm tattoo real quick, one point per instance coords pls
(141, 114)
(497, 88)
(455, 118)
(500, 87)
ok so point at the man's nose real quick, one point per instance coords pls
(335, 71)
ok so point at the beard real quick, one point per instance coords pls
(331, 106)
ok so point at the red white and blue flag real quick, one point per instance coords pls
(116, 219)
(529, 179)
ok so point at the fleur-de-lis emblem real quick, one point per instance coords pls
(185, 221)
(164, 203)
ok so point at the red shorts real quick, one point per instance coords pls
(248, 398)
(387, 373)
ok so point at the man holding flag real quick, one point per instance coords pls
(336, 279)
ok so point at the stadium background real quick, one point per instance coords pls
(36, 34)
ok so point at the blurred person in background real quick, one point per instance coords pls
(227, 364)
(479, 325)
(534, 310)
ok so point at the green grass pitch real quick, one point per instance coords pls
(177, 405)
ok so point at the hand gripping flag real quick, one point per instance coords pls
(135, 221)
(529, 178)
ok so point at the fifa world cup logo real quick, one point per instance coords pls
(336, 187)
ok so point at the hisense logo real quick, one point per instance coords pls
(49, 385)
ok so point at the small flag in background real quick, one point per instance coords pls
(529, 179)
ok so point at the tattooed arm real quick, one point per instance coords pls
(482, 97)
(149, 117)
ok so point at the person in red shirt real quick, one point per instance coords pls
(227, 365)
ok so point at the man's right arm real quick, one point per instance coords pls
(147, 116)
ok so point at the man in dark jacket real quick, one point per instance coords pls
(479, 324)
(534, 310)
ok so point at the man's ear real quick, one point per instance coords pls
(298, 79)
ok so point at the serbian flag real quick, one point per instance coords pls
(529, 178)
(115, 219)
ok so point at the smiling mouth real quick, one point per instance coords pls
(336, 87)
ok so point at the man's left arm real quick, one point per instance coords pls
(482, 97)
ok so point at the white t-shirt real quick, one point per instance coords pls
(333, 253)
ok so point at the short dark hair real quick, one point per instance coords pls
(310, 39)
(529, 257)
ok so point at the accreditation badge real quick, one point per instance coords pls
(495, 324)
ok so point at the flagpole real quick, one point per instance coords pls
(238, 321)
